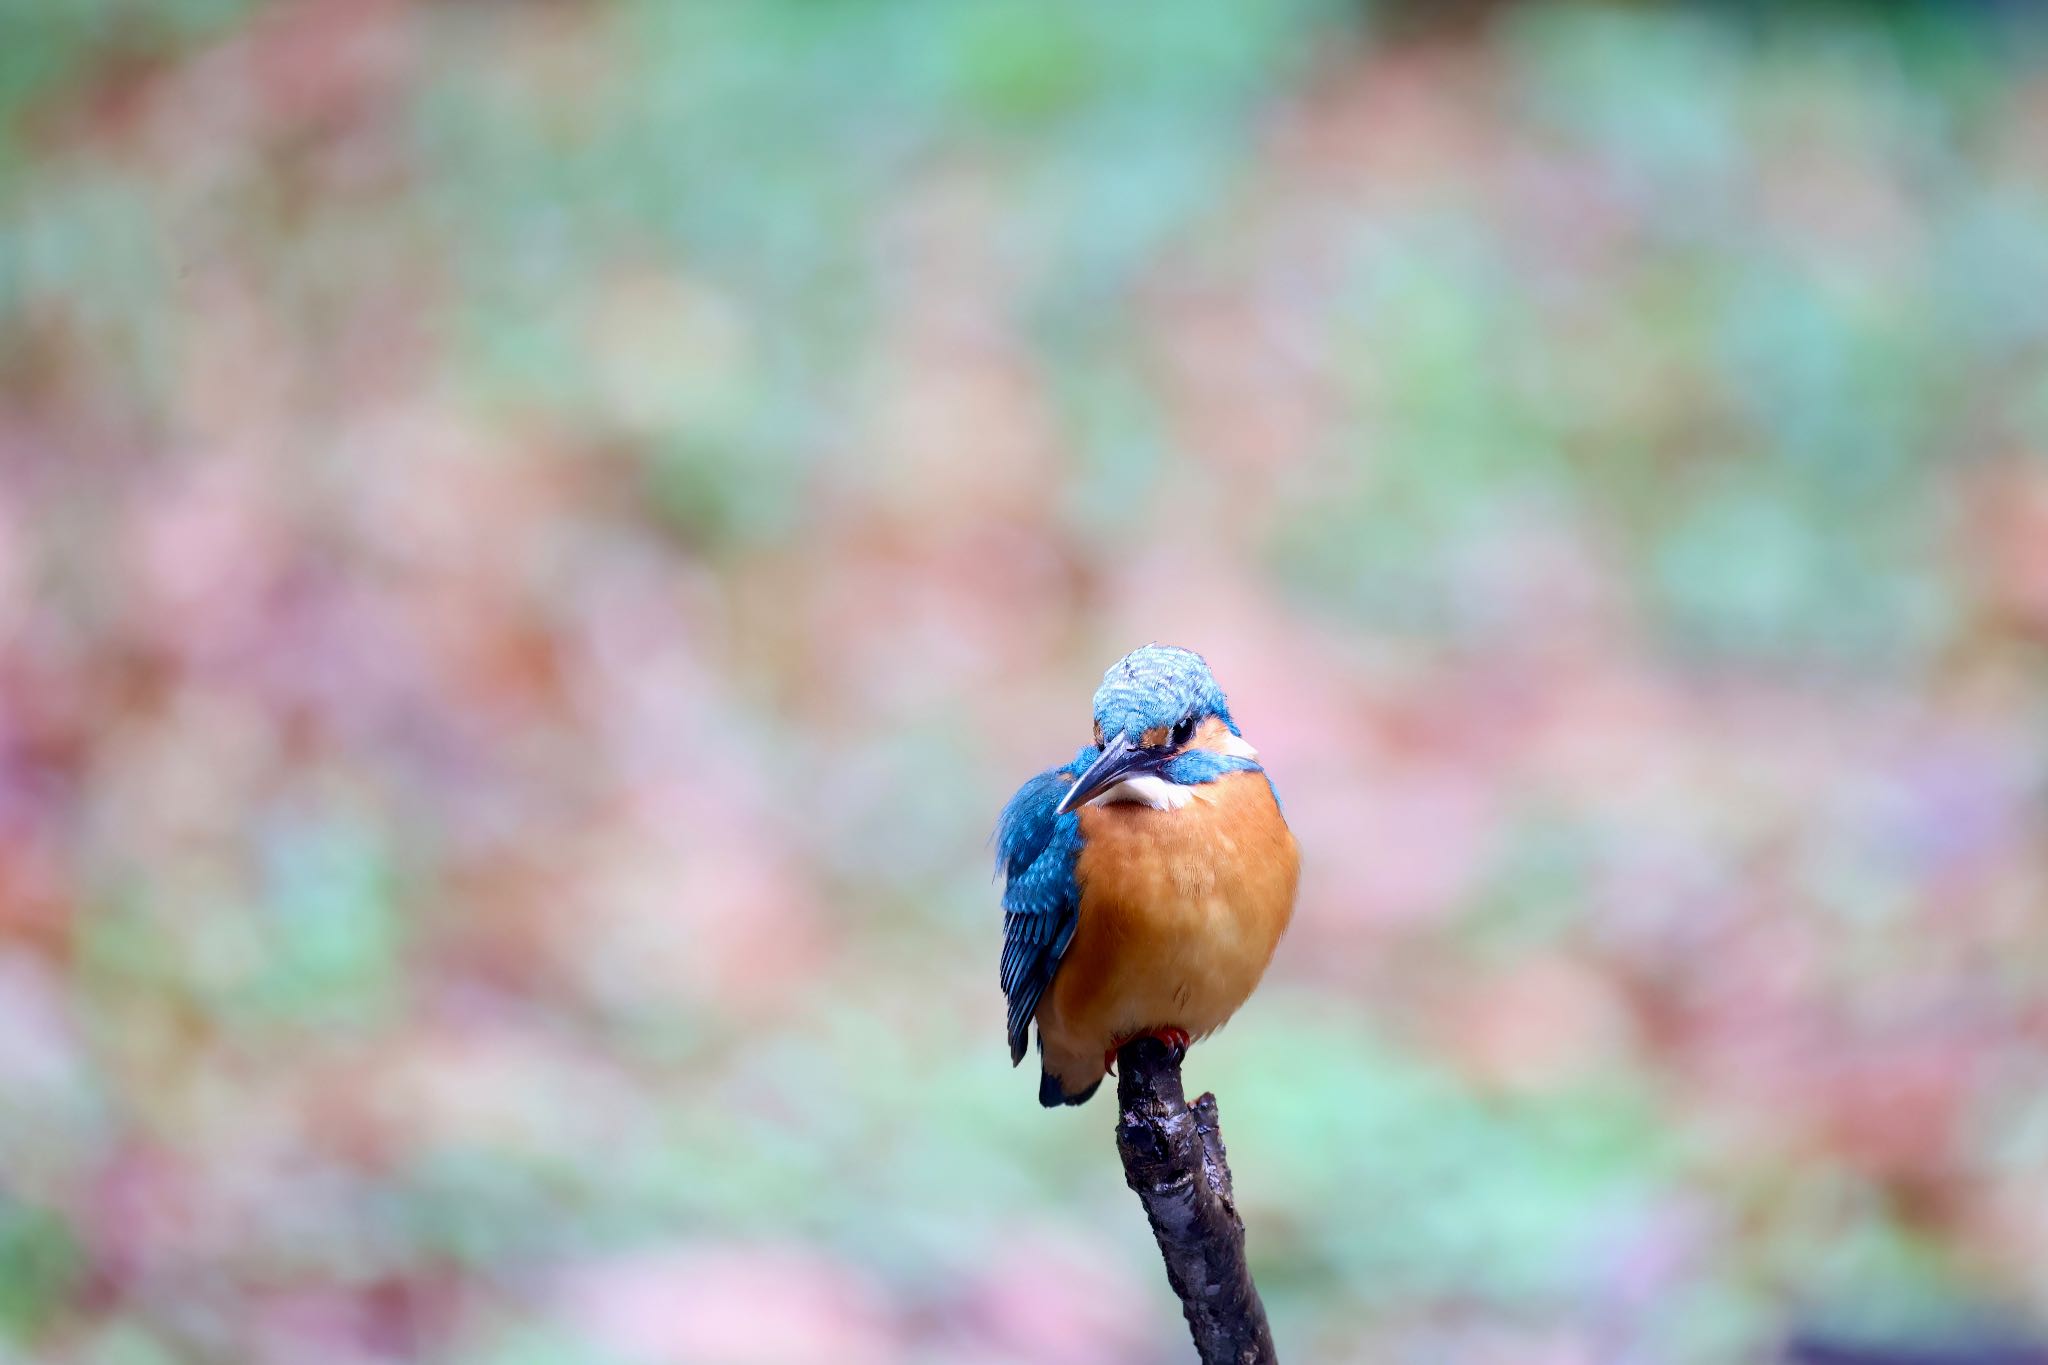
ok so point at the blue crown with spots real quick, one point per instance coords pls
(1158, 685)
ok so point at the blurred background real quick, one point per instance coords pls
(535, 539)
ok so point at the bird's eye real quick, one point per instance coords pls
(1184, 731)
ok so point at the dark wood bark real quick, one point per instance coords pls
(1173, 1157)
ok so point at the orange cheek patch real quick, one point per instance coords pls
(1213, 735)
(1153, 737)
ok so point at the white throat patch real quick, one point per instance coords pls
(1155, 792)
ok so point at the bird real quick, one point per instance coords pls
(1147, 883)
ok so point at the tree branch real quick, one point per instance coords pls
(1173, 1157)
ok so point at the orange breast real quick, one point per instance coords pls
(1180, 913)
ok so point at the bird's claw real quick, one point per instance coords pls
(1176, 1040)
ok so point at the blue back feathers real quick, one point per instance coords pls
(1035, 852)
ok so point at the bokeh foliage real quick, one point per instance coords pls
(534, 539)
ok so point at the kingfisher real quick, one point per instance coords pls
(1146, 883)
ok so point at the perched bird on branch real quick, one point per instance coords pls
(1148, 881)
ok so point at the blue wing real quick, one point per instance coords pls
(1035, 851)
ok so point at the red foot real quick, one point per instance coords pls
(1176, 1039)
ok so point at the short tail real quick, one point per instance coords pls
(1052, 1094)
(1067, 1076)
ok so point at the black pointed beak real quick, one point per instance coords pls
(1119, 759)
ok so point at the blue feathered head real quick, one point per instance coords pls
(1157, 687)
